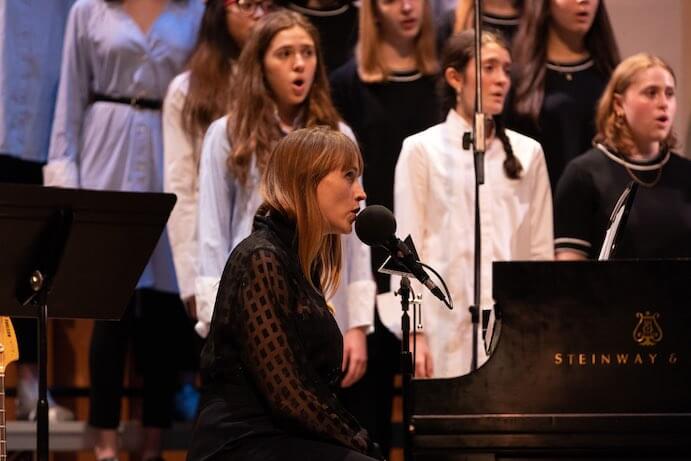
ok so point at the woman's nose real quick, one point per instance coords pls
(359, 192)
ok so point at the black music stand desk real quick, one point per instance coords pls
(70, 253)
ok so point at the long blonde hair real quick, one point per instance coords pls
(371, 67)
(613, 130)
(289, 187)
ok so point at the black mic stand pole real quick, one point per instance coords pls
(478, 142)
(406, 366)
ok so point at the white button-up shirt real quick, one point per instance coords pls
(435, 204)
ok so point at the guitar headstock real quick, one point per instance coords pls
(9, 351)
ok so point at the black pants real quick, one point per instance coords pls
(222, 433)
(17, 171)
(149, 322)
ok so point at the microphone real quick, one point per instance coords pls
(375, 226)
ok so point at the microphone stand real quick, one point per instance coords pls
(477, 140)
(406, 366)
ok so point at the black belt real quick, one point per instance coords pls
(139, 103)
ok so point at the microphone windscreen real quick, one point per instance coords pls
(375, 225)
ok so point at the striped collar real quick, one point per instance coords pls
(314, 12)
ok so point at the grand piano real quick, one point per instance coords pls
(592, 360)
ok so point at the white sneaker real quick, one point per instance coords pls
(27, 397)
(56, 413)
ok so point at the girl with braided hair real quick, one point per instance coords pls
(434, 197)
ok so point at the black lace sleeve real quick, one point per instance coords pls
(275, 359)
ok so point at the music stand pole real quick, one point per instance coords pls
(42, 443)
(40, 282)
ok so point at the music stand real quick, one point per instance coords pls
(79, 251)
(617, 221)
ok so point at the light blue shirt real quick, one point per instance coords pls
(110, 146)
(31, 34)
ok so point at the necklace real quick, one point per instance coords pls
(631, 167)
(650, 184)
(567, 70)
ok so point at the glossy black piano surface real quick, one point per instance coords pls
(593, 360)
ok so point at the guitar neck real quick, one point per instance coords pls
(3, 427)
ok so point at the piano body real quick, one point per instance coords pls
(592, 361)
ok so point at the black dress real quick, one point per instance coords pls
(566, 124)
(659, 224)
(272, 362)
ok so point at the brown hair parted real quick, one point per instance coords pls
(289, 187)
(253, 128)
(458, 52)
(211, 67)
(530, 53)
(613, 131)
(371, 66)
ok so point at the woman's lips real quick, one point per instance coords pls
(498, 97)
(583, 16)
(408, 24)
(298, 86)
(353, 214)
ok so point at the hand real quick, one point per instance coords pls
(354, 356)
(190, 307)
(424, 367)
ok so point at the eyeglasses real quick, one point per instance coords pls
(250, 7)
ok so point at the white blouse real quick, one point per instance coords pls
(181, 177)
(435, 203)
(226, 213)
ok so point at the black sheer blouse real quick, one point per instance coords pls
(273, 338)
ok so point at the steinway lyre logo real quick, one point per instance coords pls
(647, 332)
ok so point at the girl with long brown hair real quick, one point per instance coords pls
(196, 98)
(435, 201)
(634, 142)
(282, 86)
(564, 53)
(273, 359)
(385, 93)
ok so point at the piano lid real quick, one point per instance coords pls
(610, 337)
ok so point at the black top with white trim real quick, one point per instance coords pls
(659, 225)
(566, 124)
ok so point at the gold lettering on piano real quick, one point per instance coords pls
(613, 359)
(647, 331)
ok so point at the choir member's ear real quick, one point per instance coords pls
(617, 107)
(454, 79)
